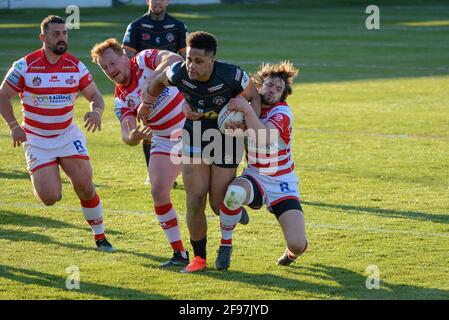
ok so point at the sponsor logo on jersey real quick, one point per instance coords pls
(219, 100)
(14, 77)
(210, 115)
(238, 75)
(162, 96)
(146, 36)
(170, 37)
(53, 99)
(19, 65)
(54, 79)
(278, 117)
(37, 81)
(168, 26)
(188, 84)
(131, 104)
(148, 26)
(245, 80)
(201, 104)
(68, 67)
(37, 68)
(158, 40)
(216, 88)
(71, 80)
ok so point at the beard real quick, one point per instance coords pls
(267, 101)
(60, 48)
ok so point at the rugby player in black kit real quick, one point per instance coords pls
(207, 85)
(156, 30)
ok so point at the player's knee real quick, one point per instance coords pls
(85, 189)
(159, 193)
(215, 207)
(50, 199)
(235, 197)
(298, 246)
(194, 201)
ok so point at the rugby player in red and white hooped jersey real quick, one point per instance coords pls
(163, 126)
(48, 82)
(269, 177)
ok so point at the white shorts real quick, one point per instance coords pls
(41, 152)
(275, 189)
(166, 146)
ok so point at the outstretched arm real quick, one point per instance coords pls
(132, 133)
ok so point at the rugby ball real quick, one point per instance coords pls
(225, 116)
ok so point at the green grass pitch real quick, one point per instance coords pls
(371, 146)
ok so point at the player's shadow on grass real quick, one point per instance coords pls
(16, 235)
(414, 215)
(20, 219)
(16, 175)
(346, 284)
(25, 220)
(36, 278)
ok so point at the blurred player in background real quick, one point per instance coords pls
(155, 30)
(207, 85)
(269, 177)
(162, 126)
(48, 81)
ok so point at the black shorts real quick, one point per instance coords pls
(212, 146)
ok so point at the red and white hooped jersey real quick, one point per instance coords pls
(167, 116)
(48, 91)
(274, 159)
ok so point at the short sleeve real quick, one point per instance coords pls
(241, 81)
(15, 75)
(121, 110)
(282, 123)
(85, 76)
(174, 73)
(129, 39)
(149, 57)
(182, 36)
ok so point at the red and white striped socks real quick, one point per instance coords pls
(168, 219)
(228, 220)
(93, 213)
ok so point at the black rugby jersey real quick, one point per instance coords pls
(144, 33)
(226, 82)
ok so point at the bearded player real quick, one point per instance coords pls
(48, 82)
